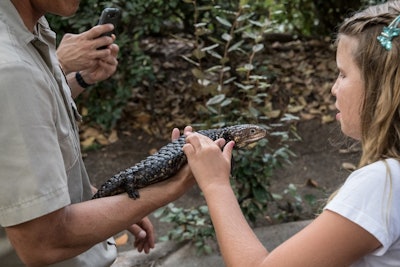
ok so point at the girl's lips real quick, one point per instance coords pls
(338, 116)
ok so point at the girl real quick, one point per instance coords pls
(360, 226)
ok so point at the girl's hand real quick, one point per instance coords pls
(209, 165)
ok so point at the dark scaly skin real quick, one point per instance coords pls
(169, 159)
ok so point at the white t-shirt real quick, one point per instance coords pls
(370, 197)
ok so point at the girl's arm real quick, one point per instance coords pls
(331, 240)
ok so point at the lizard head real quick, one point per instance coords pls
(245, 134)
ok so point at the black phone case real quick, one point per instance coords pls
(110, 15)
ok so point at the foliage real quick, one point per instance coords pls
(251, 173)
(235, 89)
(227, 69)
(156, 17)
(105, 101)
(290, 204)
(309, 17)
(191, 224)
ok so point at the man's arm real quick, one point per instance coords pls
(72, 230)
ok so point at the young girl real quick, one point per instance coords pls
(360, 225)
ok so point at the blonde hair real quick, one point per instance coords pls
(380, 71)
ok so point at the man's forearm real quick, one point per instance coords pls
(73, 229)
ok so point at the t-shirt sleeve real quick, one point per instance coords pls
(33, 177)
(367, 199)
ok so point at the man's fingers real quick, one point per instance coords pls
(114, 49)
(98, 30)
(138, 232)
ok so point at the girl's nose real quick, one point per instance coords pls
(334, 89)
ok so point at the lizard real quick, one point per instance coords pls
(170, 158)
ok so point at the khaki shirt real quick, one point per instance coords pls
(41, 168)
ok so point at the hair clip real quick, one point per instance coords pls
(385, 38)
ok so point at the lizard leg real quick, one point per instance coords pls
(132, 191)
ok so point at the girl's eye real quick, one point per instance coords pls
(341, 75)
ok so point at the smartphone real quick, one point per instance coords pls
(110, 15)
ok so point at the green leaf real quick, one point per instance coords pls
(249, 66)
(215, 68)
(214, 54)
(226, 102)
(228, 81)
(236, 46)
(254, 112)
(198, 54)
(227, 37)
(209, 48)
(245, 17)
(216, 100)
(224, 22)
(199, 25)
(159, 212)
(260, 194)
(258, 48)
(197, 73)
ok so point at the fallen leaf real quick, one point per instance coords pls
(312, 183)
(307, 116)
(90, 132)
(274, 114)
(143, 118)
(327, 119)
(88, 142)
(121, 240)
(153, 151)
(113, 136)
(127, 133)
(295, 109)
(102, 140)
(84, 111)
(348, 166)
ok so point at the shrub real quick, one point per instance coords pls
(234, 86)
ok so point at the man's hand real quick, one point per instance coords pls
(79, 52)
(143, 232)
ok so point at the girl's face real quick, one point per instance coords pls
(348, 88)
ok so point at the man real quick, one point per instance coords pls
(45, 195)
